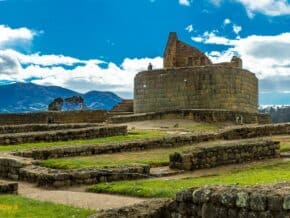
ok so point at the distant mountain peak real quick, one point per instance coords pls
(29, 97)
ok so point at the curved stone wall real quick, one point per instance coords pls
(206, 87)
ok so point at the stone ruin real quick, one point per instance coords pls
(67, 104)
(189, 80)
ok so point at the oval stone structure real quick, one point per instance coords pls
(222, 87)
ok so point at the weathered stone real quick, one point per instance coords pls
(242, 199)
(197, 158)
(258, 202)
(286, 203)
(275, 202)
(201, 195)
(208, 210)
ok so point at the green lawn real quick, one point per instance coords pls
(13, 206)
(284, 142)
(132, 135)
(260, 174)
(155, 157)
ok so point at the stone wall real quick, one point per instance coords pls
(153, 208)
(8, 187)
(243, 132)
(206, 87)
(87, 116)
(10, 166)
(138, 145)
(180, 54)
(43, 127)
(271, 201)
(47, 177)
(62, 135)
(267, 201)
(24, 169)
(222, 154)
(197, 115)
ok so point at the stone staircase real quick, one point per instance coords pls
(125, 107)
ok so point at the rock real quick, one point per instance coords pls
(242, 199)
(258, 202)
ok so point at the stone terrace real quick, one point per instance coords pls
(48, 133)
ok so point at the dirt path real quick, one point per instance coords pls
(76, 197)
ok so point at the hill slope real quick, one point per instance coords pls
(28, 97)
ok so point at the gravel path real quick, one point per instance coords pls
(76, 197)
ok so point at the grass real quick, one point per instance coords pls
(260, 174)
(202, 127)
(284, 142)
(13, 206)
(132, 135)
(155, 157)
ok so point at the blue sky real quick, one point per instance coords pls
(101, 44)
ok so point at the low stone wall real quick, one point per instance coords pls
(271, 201)
(231, 153)
(267, 201)
(10, 166)
(43, 127)
(88, 116)
(25, 170)
(242, 132)
(58, 178)
(8, 187)
(256, 131)
(154, 208)
(62, 135)
(197, 115)
(86, 150)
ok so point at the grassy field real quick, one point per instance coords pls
(12, 206)
(284, 142)
(132, 135)
(202, 127)
(155, 157)
(260, 174)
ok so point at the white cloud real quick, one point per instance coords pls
(267, 7)
(212, 38)
(10, 37)
(227, 21)
(52, 70)
(185, 2)
(65, 71)
(237, 29)
(189, 28)
(8, 64)
(267, 56)
(47, 60)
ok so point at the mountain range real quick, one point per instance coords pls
(29, 97)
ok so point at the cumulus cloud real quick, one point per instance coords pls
(47, 60)
(266, 7)
(53, 70)
(10, 37)
(8, 64)
(65, 71)
(267, 56)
